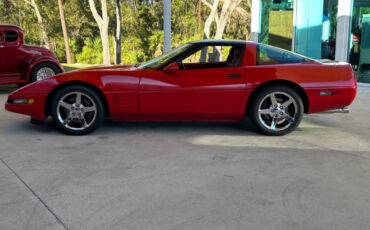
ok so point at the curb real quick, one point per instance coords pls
(363, 84)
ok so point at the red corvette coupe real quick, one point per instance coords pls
(199, 81)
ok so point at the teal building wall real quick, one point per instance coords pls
(309, 22)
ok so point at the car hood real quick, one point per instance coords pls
(124, 67)
(101, 77)
(40, 50)
(98, 72)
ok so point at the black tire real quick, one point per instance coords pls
(37, 68)
(89, 99)
(275, 115)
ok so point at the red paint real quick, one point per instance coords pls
(17, 59)
(195, 94)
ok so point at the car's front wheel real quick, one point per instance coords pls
(277, 110)
(77, 110)
(43, 70)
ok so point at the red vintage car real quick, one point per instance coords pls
(23, 64)
(199, 81)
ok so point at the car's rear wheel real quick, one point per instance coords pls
(277, 110)
(77, 110)
(42, 71)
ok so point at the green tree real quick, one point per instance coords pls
(141, 26)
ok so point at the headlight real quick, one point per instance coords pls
(21, 101)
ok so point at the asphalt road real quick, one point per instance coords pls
(187, 175)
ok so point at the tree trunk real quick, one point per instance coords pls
(227, 9)
(40, 21)
(103, 23)
(247, 33)
(210, 19)
(199, 14)
(117, 35)
(207, 27)
(65, 34)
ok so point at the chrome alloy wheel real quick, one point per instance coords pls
(44, 72)
(277, 111)
(76, 111)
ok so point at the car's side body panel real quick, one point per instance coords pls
(202, 94)
(326, 79)
(196, 94)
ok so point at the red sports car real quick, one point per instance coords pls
(199, 81)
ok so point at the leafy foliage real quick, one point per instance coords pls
(142, 26)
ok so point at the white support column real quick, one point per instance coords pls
(343, 30)
(256, 20)
(167, 25)
(295, 2)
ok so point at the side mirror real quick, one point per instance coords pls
(173, 67)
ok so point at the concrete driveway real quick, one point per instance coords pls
(187, 175)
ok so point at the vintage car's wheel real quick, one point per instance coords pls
(277, 110)
(43, 70)
(77, 110)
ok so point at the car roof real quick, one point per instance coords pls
(10, 27)
(221, 42)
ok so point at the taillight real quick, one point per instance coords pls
(354, 79)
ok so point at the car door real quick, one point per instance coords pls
(11, 54)
(205, 91)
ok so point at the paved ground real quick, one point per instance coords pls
(187, 175)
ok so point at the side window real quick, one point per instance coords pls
(194, 58)
(10, 36)
(271, 56)
(215, 57)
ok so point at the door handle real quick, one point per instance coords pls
(1, 46)
(233, 75)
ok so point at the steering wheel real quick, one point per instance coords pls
(181, 65)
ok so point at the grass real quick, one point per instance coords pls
(71, 67)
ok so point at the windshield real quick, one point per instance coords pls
(158, 61)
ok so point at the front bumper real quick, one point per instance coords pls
(36, 110)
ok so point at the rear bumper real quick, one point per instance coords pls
(337, 101)
(339, 110)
